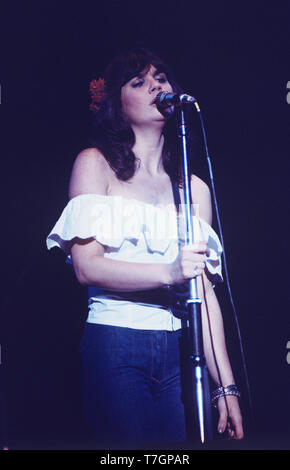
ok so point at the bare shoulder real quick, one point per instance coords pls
(90, 173)
(201, 196)
(198, 186)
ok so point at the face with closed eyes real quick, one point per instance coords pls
(138, 95)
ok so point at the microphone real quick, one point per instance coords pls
(165, 98)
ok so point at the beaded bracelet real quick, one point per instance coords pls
(222, 392)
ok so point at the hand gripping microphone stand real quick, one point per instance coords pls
(196, 355)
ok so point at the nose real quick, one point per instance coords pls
(155, 86)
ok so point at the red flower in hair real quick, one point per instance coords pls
(97, 91)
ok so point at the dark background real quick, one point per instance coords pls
(234, 57)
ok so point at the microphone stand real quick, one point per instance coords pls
(196, 354)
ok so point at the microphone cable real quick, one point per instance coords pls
(211, 176)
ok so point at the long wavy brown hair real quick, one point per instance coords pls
(112, 134)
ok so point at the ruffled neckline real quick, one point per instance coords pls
(160, 206)
(120, 228)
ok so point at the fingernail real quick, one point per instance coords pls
(220, 430)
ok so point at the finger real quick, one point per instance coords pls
(193, 264)
(238, 430)
(196, 246)
(201, 247)
(231, 432)
(191, 273)
(191, 270)
(235, 428)
(222, 422)
(193, 256)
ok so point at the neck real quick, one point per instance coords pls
(148, 148)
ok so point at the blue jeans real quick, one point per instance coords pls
(135, 386)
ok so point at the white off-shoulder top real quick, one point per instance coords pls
(134, 231)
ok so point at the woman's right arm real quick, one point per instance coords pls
(90, 175)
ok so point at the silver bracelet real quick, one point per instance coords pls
(222, 392)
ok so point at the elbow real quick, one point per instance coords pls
(87, 269)
(81, 275)
(82, 278)
(85, 278)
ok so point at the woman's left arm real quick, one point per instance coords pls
(213, 330)
(217, 359)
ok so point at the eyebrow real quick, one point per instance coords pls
(142, 74)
